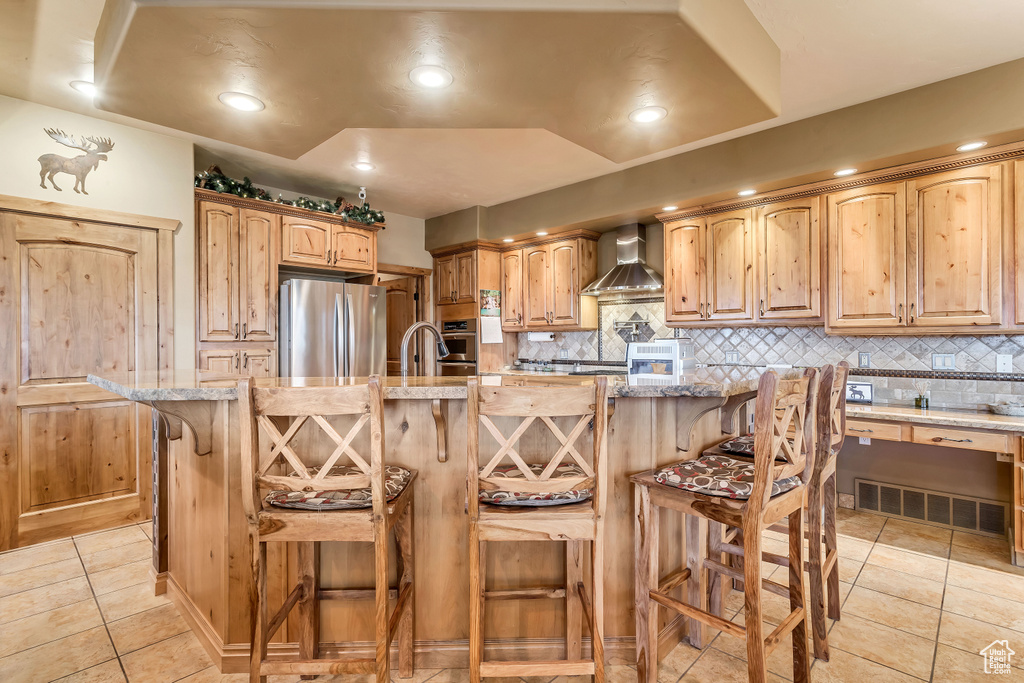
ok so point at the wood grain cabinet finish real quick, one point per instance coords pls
(536, 286)
(954, 247)
(305, 242)
(867, 235)
(220, 360)
(730, 266)
(444, 279)
(789, 260)
(257, 266)
(684, 271)
(465, 277)
(512, 290)
(353, 249)
(218, 235)
(554, 276)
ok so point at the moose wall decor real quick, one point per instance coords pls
(51, 164)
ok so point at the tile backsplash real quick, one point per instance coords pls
(802, 346)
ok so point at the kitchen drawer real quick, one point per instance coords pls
(953, 437)
(887, 431)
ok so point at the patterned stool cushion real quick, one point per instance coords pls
(717, 475)
(395, 481)
(512, 498)
(741, 445)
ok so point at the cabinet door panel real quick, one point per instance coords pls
(790, 260)
(564, 271)
(304, 242)
(512, 289)
(867, 256)
(465, 278)
(257, 275)
(954, 247)
(536, 287)
(220, 360)
(444, 275)
(730, 267)
(684, 269)
(261, 363)
(354, 249)
(218, 272)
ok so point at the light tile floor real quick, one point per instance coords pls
(919, 604)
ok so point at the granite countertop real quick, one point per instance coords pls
(204, 386)
(950, 417)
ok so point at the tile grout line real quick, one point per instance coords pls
(103, 617)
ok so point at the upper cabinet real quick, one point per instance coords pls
(512, 289)
(709, 268)
(353, 249)
(257, 266)
(925, 254)
(789, 260)
(320, 244)
(455, 277)
(554, 275)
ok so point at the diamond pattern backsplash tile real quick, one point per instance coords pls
(804, 346)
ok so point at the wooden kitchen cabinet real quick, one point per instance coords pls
(455, 275)
(512, 290)
(867, 237)
(536, 286)
(305, 242)
(954, 236)
(220, 360)
(257, 275)
(353, 249)
(710, 267)
(554, 276)
(250, 362)
(789, 260)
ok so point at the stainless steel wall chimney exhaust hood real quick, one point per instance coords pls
(632, 274)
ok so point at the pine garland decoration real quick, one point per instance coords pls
(213, 179)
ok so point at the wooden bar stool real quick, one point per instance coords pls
(554, 501)
(748, 497)
(822, 551)
(309, 503)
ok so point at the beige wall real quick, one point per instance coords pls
(146, 173)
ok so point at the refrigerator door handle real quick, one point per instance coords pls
(339, 330)
(350, 329)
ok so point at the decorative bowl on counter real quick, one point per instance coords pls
(1011, 409)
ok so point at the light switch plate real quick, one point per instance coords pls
(864, 440)
(864, 359)
(732, 357)
(1004, 362)
(943, 361)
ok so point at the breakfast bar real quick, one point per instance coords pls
(200, 530)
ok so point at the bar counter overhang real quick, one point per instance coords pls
(200, 535)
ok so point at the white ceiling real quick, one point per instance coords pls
(835, 53)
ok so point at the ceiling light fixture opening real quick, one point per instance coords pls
(541, 233)
(648, 114)
(845, 172)
(971, 146)
(363, 166)
(508, 239)
(241, 101)
(430, 76)
(85, 87)
(669, 208)
(746, 193)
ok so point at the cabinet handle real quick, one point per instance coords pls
(762, 308)
(236, 330)
(245, 330)
(899, 314)
(519, 318)
(937, 439)
(866, 431)
(702, 310)
(330, 255)
(911, 313)
(245, 363)
(236, 361)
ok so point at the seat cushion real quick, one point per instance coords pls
(718, 475)
(513, 498)
(395, 480)
(740, 445)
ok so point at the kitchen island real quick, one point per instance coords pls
(200, 531)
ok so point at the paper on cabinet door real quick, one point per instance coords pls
(490, 330)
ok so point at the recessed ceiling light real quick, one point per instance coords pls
(648, 114)
(669, 208)
(541, 233)
(363, 166)
(845, 171)
(240, 101)
(508, 239)
(971, 146)
(430, 76)
(746, 193)
(84, 87)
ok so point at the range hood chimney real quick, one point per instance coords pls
(632, 274)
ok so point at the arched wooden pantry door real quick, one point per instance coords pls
(77, 297)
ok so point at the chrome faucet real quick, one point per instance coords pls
(442, 350)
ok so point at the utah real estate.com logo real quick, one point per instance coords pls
(997, 657)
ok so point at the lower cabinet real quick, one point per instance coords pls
(250, 362)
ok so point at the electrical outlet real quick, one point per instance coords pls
(563, 354)
(732, 357)
(864, 359)
(943, 361)
(1004, 362)
(865, 440)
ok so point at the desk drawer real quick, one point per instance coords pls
(887, 431)
(953, 437)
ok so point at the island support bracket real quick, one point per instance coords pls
(731, 407)
(688, 411)
(196, 415)
(439, 406)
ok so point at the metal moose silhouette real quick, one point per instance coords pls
(52, 164)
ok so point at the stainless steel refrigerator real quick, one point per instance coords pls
(332, 329)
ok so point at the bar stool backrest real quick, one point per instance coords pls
(781, 452)
(538, 404)
(274, 463)
(838, 407)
